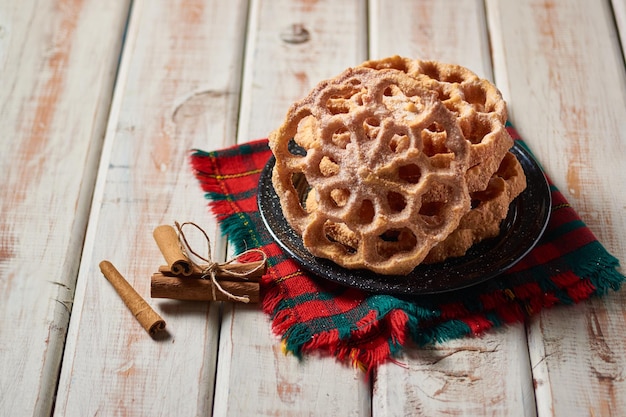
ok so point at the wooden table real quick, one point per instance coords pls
(100, 103)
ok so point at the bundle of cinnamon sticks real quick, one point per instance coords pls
(182, 279)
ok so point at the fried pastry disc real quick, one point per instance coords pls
(387, 161)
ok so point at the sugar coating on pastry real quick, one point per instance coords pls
(387, 161)
(476, 102)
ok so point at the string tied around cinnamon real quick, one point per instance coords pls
(212, 268)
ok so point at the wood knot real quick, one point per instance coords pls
(295, 34)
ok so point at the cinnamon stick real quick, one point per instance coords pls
(147, 317)
(167, 241)
(253, 271)
(178, 288)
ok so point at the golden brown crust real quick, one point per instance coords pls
(490, 207)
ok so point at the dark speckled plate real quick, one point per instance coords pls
(520, 231)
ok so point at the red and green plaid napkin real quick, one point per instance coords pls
(567, 266)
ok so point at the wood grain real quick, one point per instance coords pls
(430, 29)
(468, 377)
(254, 376)
(473, 377)
(57, 65)
(177, 89)
(559, 64)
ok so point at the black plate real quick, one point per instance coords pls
(527, 218)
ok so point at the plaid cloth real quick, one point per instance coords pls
(568, 265)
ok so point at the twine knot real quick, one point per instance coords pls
(212, 268)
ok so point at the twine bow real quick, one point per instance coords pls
(211, 268)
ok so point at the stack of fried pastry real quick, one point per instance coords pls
(399, 162)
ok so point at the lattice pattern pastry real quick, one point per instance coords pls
(398, 162)
(387, 161)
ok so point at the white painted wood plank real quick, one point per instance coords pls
(427, 29)
(466, 377)
(57, 65)
(254, 377)
(177, 90)
(489, 375)
(560, 66)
